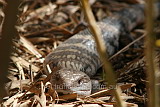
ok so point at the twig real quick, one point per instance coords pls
(102, 50)
(31, 48)
(8, 31)
(150, 55)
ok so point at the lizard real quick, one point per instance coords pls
(78, 56)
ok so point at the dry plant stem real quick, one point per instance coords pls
(8, 31)
(150, 55)
(102, 50)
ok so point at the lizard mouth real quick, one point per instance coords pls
(84, 92)
(79, 92)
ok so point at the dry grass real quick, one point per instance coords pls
(42, 26)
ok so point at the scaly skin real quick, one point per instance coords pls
(78, 56)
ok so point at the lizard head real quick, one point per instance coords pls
(71, 81)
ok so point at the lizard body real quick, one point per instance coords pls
(78, 56)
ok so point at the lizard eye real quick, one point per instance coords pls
(80, 81)
(83, 80)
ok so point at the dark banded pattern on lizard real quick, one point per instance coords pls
(78, 56)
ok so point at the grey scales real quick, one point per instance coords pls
(78, 57)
